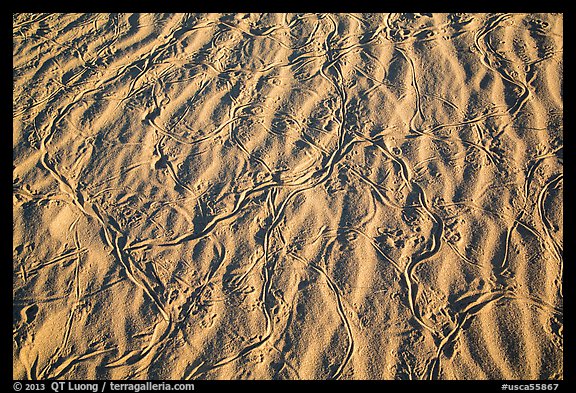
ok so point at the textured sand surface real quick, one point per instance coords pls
(287, 196)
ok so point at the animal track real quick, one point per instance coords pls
(304, 196)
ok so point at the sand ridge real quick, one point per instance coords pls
(287, 196)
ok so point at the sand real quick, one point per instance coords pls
(287, 196)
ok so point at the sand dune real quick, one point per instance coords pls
(287, 196)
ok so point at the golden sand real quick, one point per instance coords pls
(287, 196)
